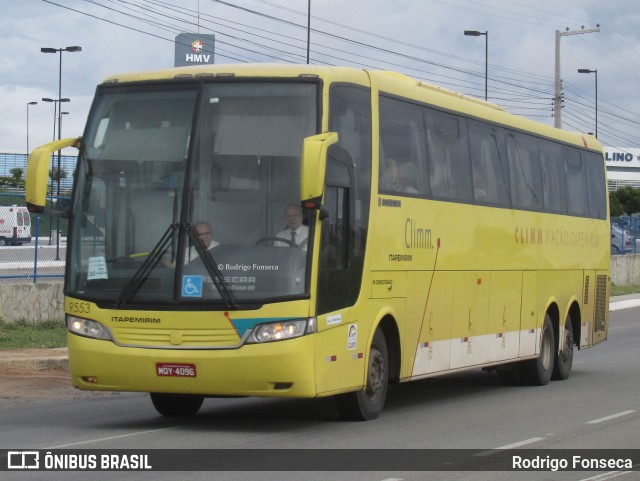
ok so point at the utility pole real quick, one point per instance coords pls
(557, 101)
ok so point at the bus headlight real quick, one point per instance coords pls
(282, 330)
(87, 328)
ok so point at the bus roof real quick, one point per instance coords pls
(386, 81)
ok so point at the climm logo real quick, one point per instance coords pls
(528, 235)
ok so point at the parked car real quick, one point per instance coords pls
(622, 240)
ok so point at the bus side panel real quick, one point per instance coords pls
(469, 339)
(504, 316)
(529, 325)
(430, 345)
(341, 352)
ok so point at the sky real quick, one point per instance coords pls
(420, 38)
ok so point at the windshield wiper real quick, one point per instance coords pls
(147, 266)
(155, 255)
(212, 268)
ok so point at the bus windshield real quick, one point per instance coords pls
(190, 193)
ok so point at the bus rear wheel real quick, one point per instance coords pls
(173, 405)
(564, 357)
(537, 372)
(367, 404)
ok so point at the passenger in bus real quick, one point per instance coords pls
(296, 234)
(407, 179)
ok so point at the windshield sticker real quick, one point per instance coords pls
(192, 286)
(352, 341)
(97, 268)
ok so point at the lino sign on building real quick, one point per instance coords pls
(194, 49)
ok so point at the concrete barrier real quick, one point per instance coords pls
(31, 302)
(625, 270)
(44, 300)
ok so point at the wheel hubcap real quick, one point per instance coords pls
(377, 374)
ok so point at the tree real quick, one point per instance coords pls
(56, 174)
(615, 207)
(16, 179)
(625, 200)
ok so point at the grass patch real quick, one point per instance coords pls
(623, 290)
(25, 335)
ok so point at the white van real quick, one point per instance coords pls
(15, 225)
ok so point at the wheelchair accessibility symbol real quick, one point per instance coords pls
(192, 286)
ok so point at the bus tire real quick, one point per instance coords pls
(172, 405)
(367, 404)
(537, 372)
(564, 357)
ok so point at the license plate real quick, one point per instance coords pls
(175, 370)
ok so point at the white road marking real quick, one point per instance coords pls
(613, 416)
(109, 438)
(510, 446)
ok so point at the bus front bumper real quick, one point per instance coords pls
(278, 369)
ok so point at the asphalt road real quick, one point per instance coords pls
(597, 408)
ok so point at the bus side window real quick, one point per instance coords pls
(553, 178)
(595, 181)
(524, 171)
(578, 201)
(448, 154)
(490, 180)
(402, 152)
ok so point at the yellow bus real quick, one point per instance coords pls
(433, 233)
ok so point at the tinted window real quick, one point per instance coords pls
(553, 178)
(490, 177)
(402, 148)
(596, 185)
(448, 157)
(578, 197)
(524, 172)
(347, 193)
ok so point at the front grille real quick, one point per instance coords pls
(177, 339)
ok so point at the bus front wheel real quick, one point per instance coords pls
(537, 372)
(172, 405)
(367, 404)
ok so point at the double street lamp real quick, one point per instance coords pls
(73, 48)
(586, 70)
(475, 33)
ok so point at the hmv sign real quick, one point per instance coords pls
(194, 49)
(622, 157)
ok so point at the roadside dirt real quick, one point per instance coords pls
(22, 385)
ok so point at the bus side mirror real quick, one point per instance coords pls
(38, 173)
(314, 163)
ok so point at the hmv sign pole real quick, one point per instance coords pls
(194, 49)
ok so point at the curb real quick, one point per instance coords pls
(616, 306)
(56, 358)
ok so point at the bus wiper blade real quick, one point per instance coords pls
(147, 266)
(212, 268)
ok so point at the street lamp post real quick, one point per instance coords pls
(475, 33)
(74, 48)
(595, 71)
(28, 105)
(59, 110)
